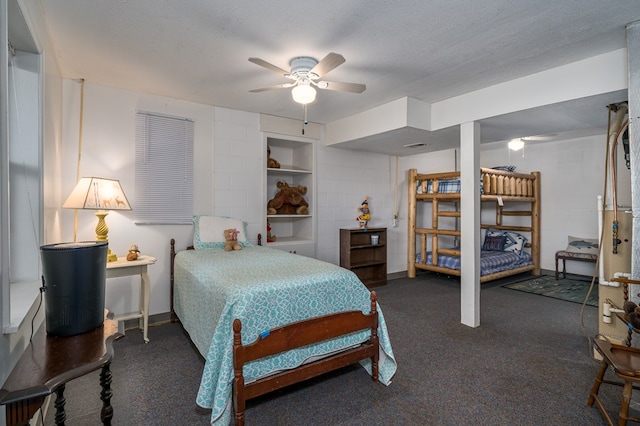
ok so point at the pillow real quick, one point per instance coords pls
(209, 231)
(494, 242)
(514, 242)
(582, 245)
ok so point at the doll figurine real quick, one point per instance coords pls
(133, 252)
(365, 216)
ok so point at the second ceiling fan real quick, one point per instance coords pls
(306, 74)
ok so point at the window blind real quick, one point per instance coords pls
(163, 169)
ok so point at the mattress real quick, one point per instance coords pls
(490, 261)
(445, 186)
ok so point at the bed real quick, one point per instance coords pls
(511, 233)
(264, 288)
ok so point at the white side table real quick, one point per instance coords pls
(123, 268)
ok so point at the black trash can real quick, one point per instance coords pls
(74, 278)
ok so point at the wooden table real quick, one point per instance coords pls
(49, 362)
(123, 268)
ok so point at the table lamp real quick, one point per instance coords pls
(92, 193)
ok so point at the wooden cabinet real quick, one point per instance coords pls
(294, 233)
(360, 253)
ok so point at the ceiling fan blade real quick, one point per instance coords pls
(327, 63)
(342, 87)
(277, 86)
(269, 66)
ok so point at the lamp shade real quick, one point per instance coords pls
(303, 93)
(97, 194)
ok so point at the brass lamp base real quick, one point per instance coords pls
(102, 231)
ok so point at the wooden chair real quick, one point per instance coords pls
(625, 362)
(296, 335)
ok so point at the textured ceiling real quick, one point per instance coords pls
(197, 50)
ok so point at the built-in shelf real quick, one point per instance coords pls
(294, 233)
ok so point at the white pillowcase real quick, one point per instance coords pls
(209, 231)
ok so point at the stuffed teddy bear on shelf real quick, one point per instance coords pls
(288, 200)
(231, 240)
(272, 163)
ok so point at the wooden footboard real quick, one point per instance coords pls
(296, 335)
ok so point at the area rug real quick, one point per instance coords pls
(564, 289)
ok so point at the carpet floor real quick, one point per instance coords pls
(571, 290)
(528, 363)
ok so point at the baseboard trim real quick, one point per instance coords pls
(154, 320)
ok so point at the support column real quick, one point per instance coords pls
(633, 61)
(470, 224)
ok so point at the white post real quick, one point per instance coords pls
(633, 64)
(470, 224)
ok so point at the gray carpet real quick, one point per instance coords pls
(528, 363)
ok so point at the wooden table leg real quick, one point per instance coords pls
(61, 416)
(105, 381)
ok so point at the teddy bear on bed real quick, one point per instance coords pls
(231, 240)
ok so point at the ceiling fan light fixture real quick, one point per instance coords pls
(303, 93)
(516, 144)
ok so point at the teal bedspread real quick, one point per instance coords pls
(265, 288)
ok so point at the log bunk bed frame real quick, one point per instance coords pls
(291, 336)
(499, 187)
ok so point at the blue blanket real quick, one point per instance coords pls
(490, 261)
(265, 288)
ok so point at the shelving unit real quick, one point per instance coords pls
(296, 155)
(367, 260)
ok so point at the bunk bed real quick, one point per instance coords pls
(508, 248)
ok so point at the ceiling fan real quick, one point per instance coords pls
(305, 74)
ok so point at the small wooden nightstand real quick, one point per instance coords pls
(123, 268)
(364, 255)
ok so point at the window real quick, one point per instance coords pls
(21, 201)
(164, 169)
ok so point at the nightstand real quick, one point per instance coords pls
(123, 268)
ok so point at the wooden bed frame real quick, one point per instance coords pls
(499, 187)
(295, 335)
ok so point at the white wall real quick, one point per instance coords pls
(344, 177)
(229, 173)
(108, 144)
(237, 169)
